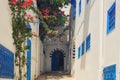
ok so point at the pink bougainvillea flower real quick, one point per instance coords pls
(34, 34)
(29, 15)
(27, 19)
(28, 3)
(55, 13)
(20, 5)
(48, 32)
(25, 4)
(13, 2)
(62, 12)
(47, 10)
(31, 18)
(40, 12)
(37, 17)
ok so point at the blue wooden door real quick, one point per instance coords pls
(109, 73)
(53, 62)
(29, 60)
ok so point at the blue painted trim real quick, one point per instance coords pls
(83, 48)
(29, 26)
(73, 2)
(88, 42)
(87, 1)
(29, 60)
(109, 14)
(79, 52)
(79, 7)
(73, 13)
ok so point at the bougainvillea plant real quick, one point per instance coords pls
(50, 15)
(53, 15)
(20, 20)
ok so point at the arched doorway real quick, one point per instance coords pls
(57, 61)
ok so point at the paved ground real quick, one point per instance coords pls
(55, 76)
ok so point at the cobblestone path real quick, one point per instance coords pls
(55, 76)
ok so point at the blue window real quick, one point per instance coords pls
(79, 52)
(87, 1)
(79, 7)
(111, 18)
(73, 3)
(88, 40)
(82, 48)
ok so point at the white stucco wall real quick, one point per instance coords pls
(6, 29)
(89, 22)
(6, 40)
(104, 49)
(37, 53)
(5, 23)
(111, 44)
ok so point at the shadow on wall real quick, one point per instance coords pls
(86, 26)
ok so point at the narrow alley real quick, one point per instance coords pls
(60, 40)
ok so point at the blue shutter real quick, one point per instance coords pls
(111, 18)
(73, 2)
(79, 7)
(88, 40)
(109, 72)
(82, 48)
(79, 52)
(87, 1)
(6, 63)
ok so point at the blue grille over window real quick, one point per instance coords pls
(111, 18)
(82, 48)
(79, 7)
(6, 63)
(88, 39)
(109, 73)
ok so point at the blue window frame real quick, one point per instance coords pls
(111, 18)
(79, 52)
(79, 7)
(82, 48)
(88, 40)
(87, 1)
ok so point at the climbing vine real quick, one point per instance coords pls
(50, 16)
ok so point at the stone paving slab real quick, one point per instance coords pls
(55, 76)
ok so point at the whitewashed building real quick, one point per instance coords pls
(95, 49)
(7, 48)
